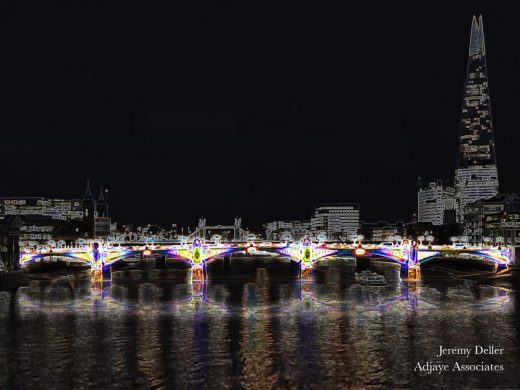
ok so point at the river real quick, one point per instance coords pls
(255, 327)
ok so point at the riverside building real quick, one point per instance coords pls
(44, 219)
(494, 220)
(380, 231)
(9, 243)
(336, 220)
(436, 203)
(278, 230)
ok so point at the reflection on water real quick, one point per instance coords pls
(255, 327)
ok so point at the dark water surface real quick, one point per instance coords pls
(256, 327)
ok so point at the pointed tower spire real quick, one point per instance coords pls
(101, 196)
(88, 191)
(476, 42)
(102, 204)
(482, 40)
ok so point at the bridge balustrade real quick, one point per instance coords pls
(100, 255)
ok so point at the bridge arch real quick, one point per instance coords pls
(29, 259)
(496, 255)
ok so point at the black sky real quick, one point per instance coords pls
(264, 110)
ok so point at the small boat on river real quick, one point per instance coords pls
(369, 278)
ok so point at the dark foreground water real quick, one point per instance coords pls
(256, 327)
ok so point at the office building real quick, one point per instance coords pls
(279, 230)
(436, 203)
(476, 176)
(336, 221)
(493, 221)
(381, 231)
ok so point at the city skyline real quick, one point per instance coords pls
(230, 194)
(267, 151)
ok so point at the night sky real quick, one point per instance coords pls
(221, 108)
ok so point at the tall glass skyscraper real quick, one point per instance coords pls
(476, 176)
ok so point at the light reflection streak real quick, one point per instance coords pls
(291, 332)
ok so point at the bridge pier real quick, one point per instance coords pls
(305, 273)
(198, 273)
(414, 272)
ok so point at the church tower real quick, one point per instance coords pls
(102, 204)
(88, 204)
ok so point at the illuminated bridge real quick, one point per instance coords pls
(198, 253)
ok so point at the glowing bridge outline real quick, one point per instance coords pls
(101, 255)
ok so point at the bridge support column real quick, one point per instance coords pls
(198, 274)
(305, 273)
(197, 282)
(96, 264)
(306, 260)
(414, 270)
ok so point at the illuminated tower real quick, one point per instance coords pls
(102, 204)
(476, 176)
(88, 204)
